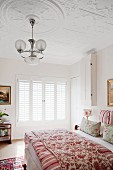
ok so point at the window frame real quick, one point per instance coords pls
(44, 80)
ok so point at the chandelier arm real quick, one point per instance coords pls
(36, 51)
(29, 51)
(38, 57)
(22, 56)
(41, 57)
(26, 51)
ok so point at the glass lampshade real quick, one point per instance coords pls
(20, 45)
(41, 45)
(32, 60)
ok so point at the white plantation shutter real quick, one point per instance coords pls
(37, 100)
(49, 101)
(40, 100)
(61, 100)
(24, 100)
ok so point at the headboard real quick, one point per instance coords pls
(106, 116)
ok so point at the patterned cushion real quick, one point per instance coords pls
(90, 127)
(108, 133)
(111, 118)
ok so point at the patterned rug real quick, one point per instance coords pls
(16, 163)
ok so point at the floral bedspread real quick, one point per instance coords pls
(74, 152)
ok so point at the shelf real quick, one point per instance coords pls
(4, 136)
(7, 137)
(3, 124)
(5, 130)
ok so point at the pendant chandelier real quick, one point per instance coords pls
(35, 53)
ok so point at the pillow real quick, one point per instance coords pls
(90, 127)
(106, 116)
(108, 133)
(101, 129)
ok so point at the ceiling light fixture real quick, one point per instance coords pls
(36, 53)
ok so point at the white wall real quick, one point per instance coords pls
(104, 72)
(9, 68)
(75, 70)
(76, 107)
(76, 114)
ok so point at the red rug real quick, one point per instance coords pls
(12, 164)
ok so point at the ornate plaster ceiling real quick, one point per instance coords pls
(70, 27)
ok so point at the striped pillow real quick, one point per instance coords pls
(106, 116)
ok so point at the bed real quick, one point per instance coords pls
(96, 139)
(63, 150)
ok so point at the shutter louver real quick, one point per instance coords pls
(49, 101)
(37, 101)
(24, 100)
(61, 100)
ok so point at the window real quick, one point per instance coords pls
(41, 100)
(49, 101)
(24, 100)
(61, 99)
(37, 101)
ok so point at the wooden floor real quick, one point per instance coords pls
(12, 150)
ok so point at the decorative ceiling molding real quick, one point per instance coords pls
(48, 14)
(70, 27)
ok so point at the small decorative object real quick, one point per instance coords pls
(110, 92)
(5, 95)
(76, 127)
(87, 112)
(2, 113)
(2, 133)
(0, 120)
(6, 132)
